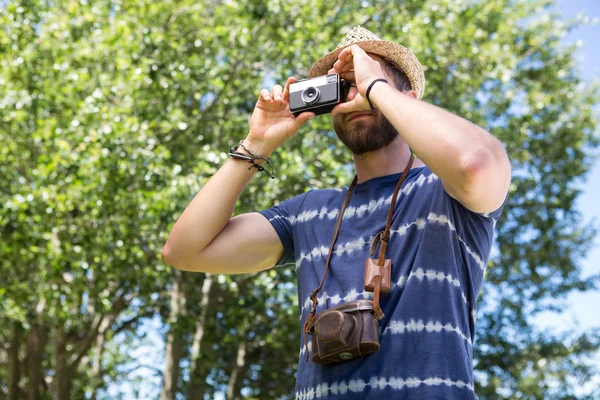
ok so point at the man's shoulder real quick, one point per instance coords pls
(320, 195)
(312, 198)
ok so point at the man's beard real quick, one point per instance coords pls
(366, 136)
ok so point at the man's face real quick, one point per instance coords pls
(362, 131)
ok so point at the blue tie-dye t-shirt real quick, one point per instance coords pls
(439, 251)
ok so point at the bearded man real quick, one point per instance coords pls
(428, 190)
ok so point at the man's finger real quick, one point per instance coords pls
(277, 91)
(347, 52)
(344, 108)
(349, 76)
(343, 65)
(264, 95)
(286, 90)
(356, 104)
(302, 118)
(356, 50)
(351, 52)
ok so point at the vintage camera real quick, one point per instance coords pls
(344, 333)
(318, 95)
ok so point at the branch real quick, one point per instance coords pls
(180, 11)
(127, 324)
(94, 328)
(85, 343)
(156, 370)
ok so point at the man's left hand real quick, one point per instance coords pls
(355, 65)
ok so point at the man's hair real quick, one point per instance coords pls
(400, 80)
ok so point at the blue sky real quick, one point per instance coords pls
(583, 308)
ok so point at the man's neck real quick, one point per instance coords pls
(387, 161)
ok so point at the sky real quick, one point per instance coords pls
(583, 308)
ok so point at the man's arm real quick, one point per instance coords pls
(471, 163)
(205, 238)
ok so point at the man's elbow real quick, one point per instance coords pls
(184, 261)
(485, 180)
(169, 256)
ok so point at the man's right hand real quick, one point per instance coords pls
(272, 123)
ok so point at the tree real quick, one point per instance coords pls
(79, 224)
(113, 115)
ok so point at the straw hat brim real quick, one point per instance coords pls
(399, 55)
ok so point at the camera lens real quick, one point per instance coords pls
(310, 95)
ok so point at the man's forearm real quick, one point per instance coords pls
(208, 213)
(462, 154)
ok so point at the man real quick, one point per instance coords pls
(441, 231)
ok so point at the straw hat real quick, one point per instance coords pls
(399, 55)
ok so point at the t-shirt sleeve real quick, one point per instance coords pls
(282, 218)
(492, 216)
(476, 232)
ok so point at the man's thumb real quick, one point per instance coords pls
(302, 118)
(342, 108)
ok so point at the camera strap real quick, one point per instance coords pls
(382, 237)
(381, 271)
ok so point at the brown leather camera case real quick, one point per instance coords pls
(345, 332)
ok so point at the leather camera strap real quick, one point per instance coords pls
(385, 235)
(382, 237)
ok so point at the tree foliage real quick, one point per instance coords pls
(114, 114)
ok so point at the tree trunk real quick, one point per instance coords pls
(196, 386)
(36, 343)
(237, 373)
(62, 371)
(174, 346)
(14, 367)
(97, 362)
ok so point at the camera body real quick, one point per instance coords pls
(318, 95)
(344, 333)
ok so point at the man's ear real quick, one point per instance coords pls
(411, 93)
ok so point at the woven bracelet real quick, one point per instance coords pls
(251, 158)
(251, 153)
